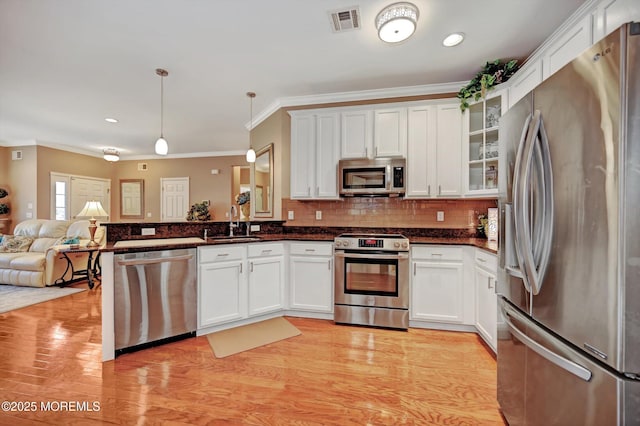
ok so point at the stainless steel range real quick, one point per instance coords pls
(372, 280)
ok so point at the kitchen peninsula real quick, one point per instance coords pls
(284, 245)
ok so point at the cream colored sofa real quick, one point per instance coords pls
(43, 264)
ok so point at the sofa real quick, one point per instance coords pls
(34, 255)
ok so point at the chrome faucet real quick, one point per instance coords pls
(232, 213)
(206, 231)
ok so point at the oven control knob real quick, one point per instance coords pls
(405, 245)
(345, 243)
(396, 244)
(338, 243)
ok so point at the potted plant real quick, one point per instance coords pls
(199, 211)
(493, 73)
(4, 208)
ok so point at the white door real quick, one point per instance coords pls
(449, 150)
(175, 199)
(311, 283)
(83, 189)
(266, 276)
(437, 292)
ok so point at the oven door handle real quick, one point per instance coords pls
(373, 256)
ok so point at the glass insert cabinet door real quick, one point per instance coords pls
(484, 122)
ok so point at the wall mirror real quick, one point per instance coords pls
(262, 183)
(132, 198)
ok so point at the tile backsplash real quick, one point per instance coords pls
(386, 212)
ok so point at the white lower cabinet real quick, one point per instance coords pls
(437, 284)
(222, 284)
(311, 277)
(486, 298)
(266, 278)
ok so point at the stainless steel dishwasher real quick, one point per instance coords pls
(155, 298)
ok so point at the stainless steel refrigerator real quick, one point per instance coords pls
(569, 275)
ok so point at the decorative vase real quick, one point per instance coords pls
(246, 210)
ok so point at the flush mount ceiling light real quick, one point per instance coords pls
(111, 120)
(111, 154)
(251, 154)
(453, 39)
(397, 22)
(162, 147)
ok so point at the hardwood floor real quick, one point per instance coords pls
(330, 375)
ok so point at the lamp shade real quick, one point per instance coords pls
(251, 156)
(92, 209)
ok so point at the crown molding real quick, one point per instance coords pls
(362, 95)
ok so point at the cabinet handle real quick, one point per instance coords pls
(428, 189)
(489, 286)
(439, 190)
(251, 265)
(366, 152)
(481, 260)
(310, 250)
(266, 251)
(329, 264)
(309, 191)
(376, 152)
(223, 254)
(414, 269)
(240, 267)
(436, 254)
(317, 191)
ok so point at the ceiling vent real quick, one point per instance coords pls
(345, 19)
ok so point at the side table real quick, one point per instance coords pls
(92, 270)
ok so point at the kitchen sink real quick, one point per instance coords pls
(235, 238)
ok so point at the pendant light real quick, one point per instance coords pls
(162, 147)
(251, 154)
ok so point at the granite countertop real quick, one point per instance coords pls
(491, 246)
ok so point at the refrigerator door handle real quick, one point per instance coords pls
(534, 218)
(565, 364)
(519, 186)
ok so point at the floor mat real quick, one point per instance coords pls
(243, 338)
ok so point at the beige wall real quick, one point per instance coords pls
(272, 131)
(59, 161)
(202, 184)
(22, 178)
(5, 154)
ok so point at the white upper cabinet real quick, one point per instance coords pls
(434, 151)
(374, 133)
(610, 14)
(357, 133)
(315, 146)
(524, 81)
(390, 132)
(563, 50)
(449, 150)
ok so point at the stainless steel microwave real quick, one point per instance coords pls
(378, 177)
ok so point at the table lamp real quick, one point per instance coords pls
(91, 209)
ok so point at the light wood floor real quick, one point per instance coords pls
(330, 375)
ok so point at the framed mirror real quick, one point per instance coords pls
(262, 183)
(132, 198)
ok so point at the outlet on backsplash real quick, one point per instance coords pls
(290, 215)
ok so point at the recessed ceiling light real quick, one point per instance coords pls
(110, 120)
(453, 39)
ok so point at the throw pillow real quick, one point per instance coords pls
(71, 241)
(15, 243)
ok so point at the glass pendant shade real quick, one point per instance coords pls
(251, 156)
(162, 147)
